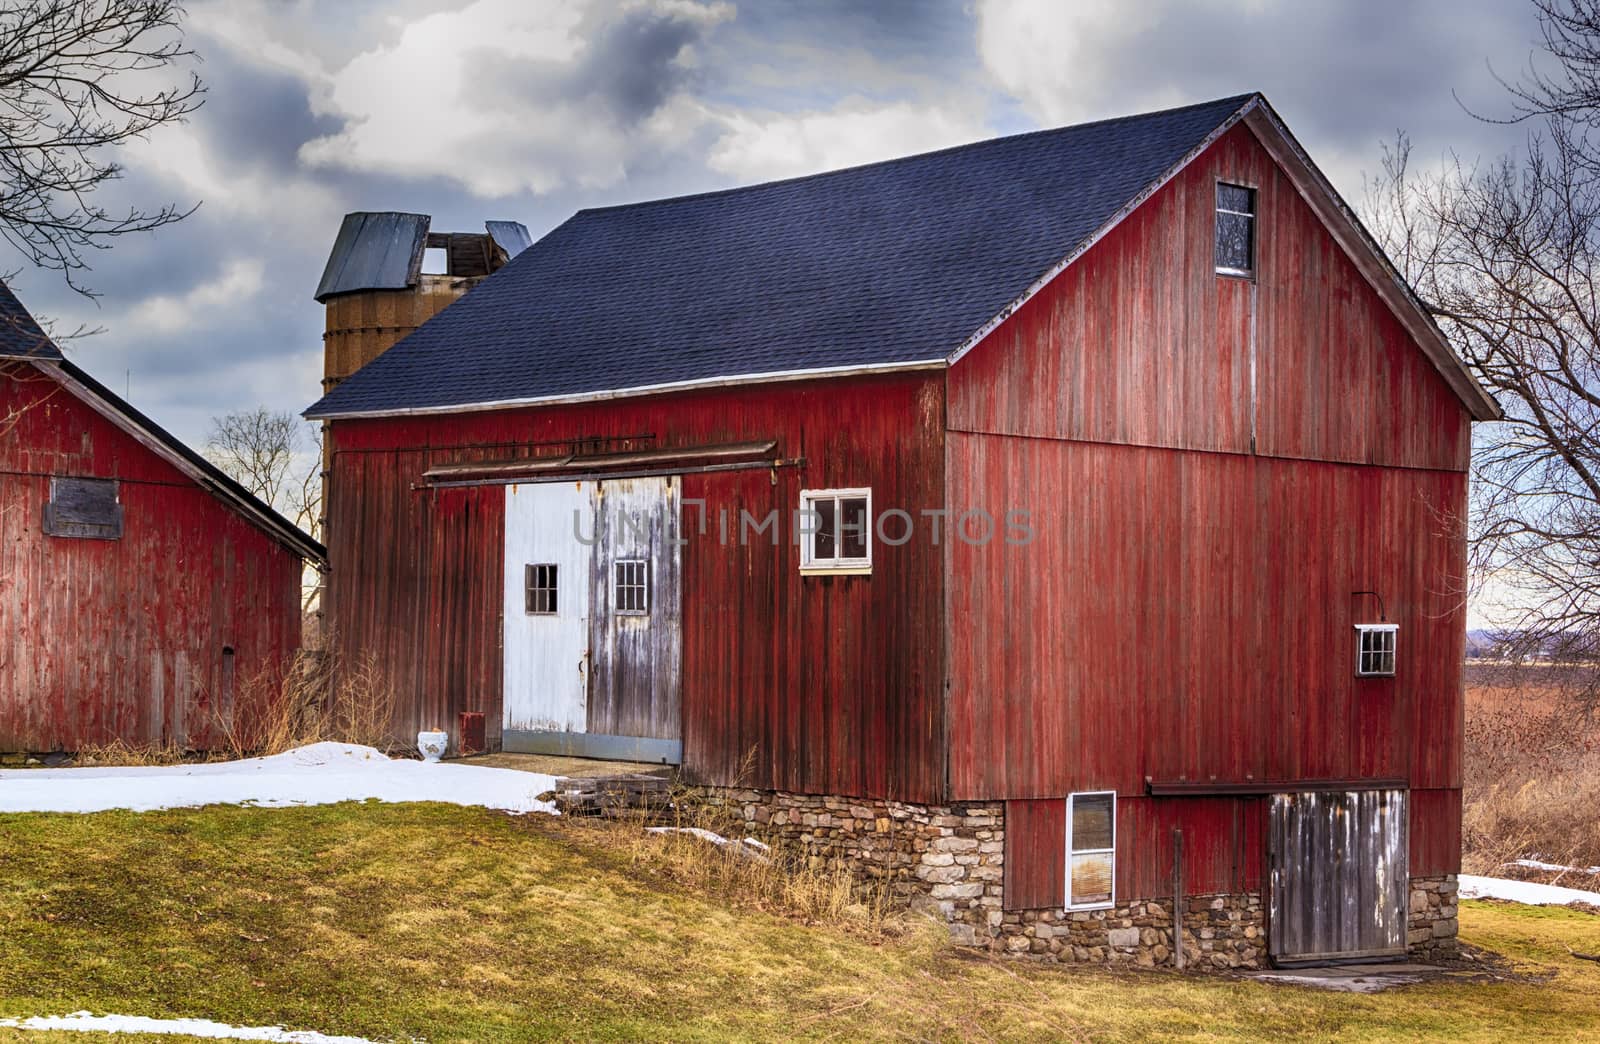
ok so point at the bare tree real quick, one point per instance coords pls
(77, 79)
(278, 457)
(1506, 255)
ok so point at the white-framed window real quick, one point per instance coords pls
(1091, 850)
(539, 588)
(1375, 650)
(1235, 250)
(836, 530)
(630, 587)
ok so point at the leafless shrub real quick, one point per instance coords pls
(313, 701)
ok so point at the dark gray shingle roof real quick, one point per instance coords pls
(893, 262)
(20, 335)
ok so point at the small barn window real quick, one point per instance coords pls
(1375, 650)
(836, 530)
(1236, 229)
(632, 586)
(1091, 850)
(89, 509)
(539, 588)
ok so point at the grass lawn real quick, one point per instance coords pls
(397, 921)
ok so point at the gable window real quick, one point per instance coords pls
(88, 509)
(1091, 850)
(1236, 229)
(539, 588)
(836, 530)
(1375, 650)
(631, 589)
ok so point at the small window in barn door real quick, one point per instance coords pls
(1236, 229)
(1091, 850)
(836, 530)
(539, 588)
(1375, 650)
(89, 509)
(631, 587)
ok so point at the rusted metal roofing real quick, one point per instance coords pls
(374, 251)
(21, 337)
(382, 250)
(510, 236)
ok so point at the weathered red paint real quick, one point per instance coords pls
(803, 683)
(1186, 610)
(124, 639)
(1212, 465)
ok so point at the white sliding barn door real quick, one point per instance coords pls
(548, 570)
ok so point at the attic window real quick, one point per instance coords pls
(1236, 229)
(1375, 650)
(87, 509)
(435, 261)
(1091, 850)
(836, 531)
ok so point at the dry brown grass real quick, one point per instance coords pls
(779, 877)
(312, 702)
(1531, 772)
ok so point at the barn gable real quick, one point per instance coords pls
(1140, 342)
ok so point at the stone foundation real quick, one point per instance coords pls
(1431, 925)
(949, 861)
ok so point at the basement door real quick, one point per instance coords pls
(592, 626)
(1340, 876)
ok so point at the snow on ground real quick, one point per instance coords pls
(319, 774)
(1534, 864)
(1524, 892)
(749, 846)
(83, 1022)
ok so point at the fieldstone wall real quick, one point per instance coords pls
(1219, 932)
(949, 860)
(1431, 926)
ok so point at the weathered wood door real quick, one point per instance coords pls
(545, 616)
(1340, 878)
(635, 625)
(592, 626)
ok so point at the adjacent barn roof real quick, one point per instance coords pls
(20, 334)
(32, 344)
(892, 265)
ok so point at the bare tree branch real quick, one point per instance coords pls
(77, 79)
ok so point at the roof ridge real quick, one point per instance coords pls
(1240, 99)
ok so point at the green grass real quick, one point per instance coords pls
(394, 921)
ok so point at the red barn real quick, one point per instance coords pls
(145, 597)
(1052, 526)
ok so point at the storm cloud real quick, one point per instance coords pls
(478, 109)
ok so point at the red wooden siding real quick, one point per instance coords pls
(1224, 848)
(1435, 832)
(1036, 854)
(1189, 616)
(821, 685)
(1140, 342)
(123, 639)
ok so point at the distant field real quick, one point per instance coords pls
(1531, 769)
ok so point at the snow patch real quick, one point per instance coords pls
(749, 846)
(1526, 892)
(318, 774)
(83, 1022)
(1534, 864)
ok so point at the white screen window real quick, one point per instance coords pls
(1091, 850)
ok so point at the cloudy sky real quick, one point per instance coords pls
(531, 109)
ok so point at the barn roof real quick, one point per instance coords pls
(38, 349)
(894, 265)
(20, 334)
